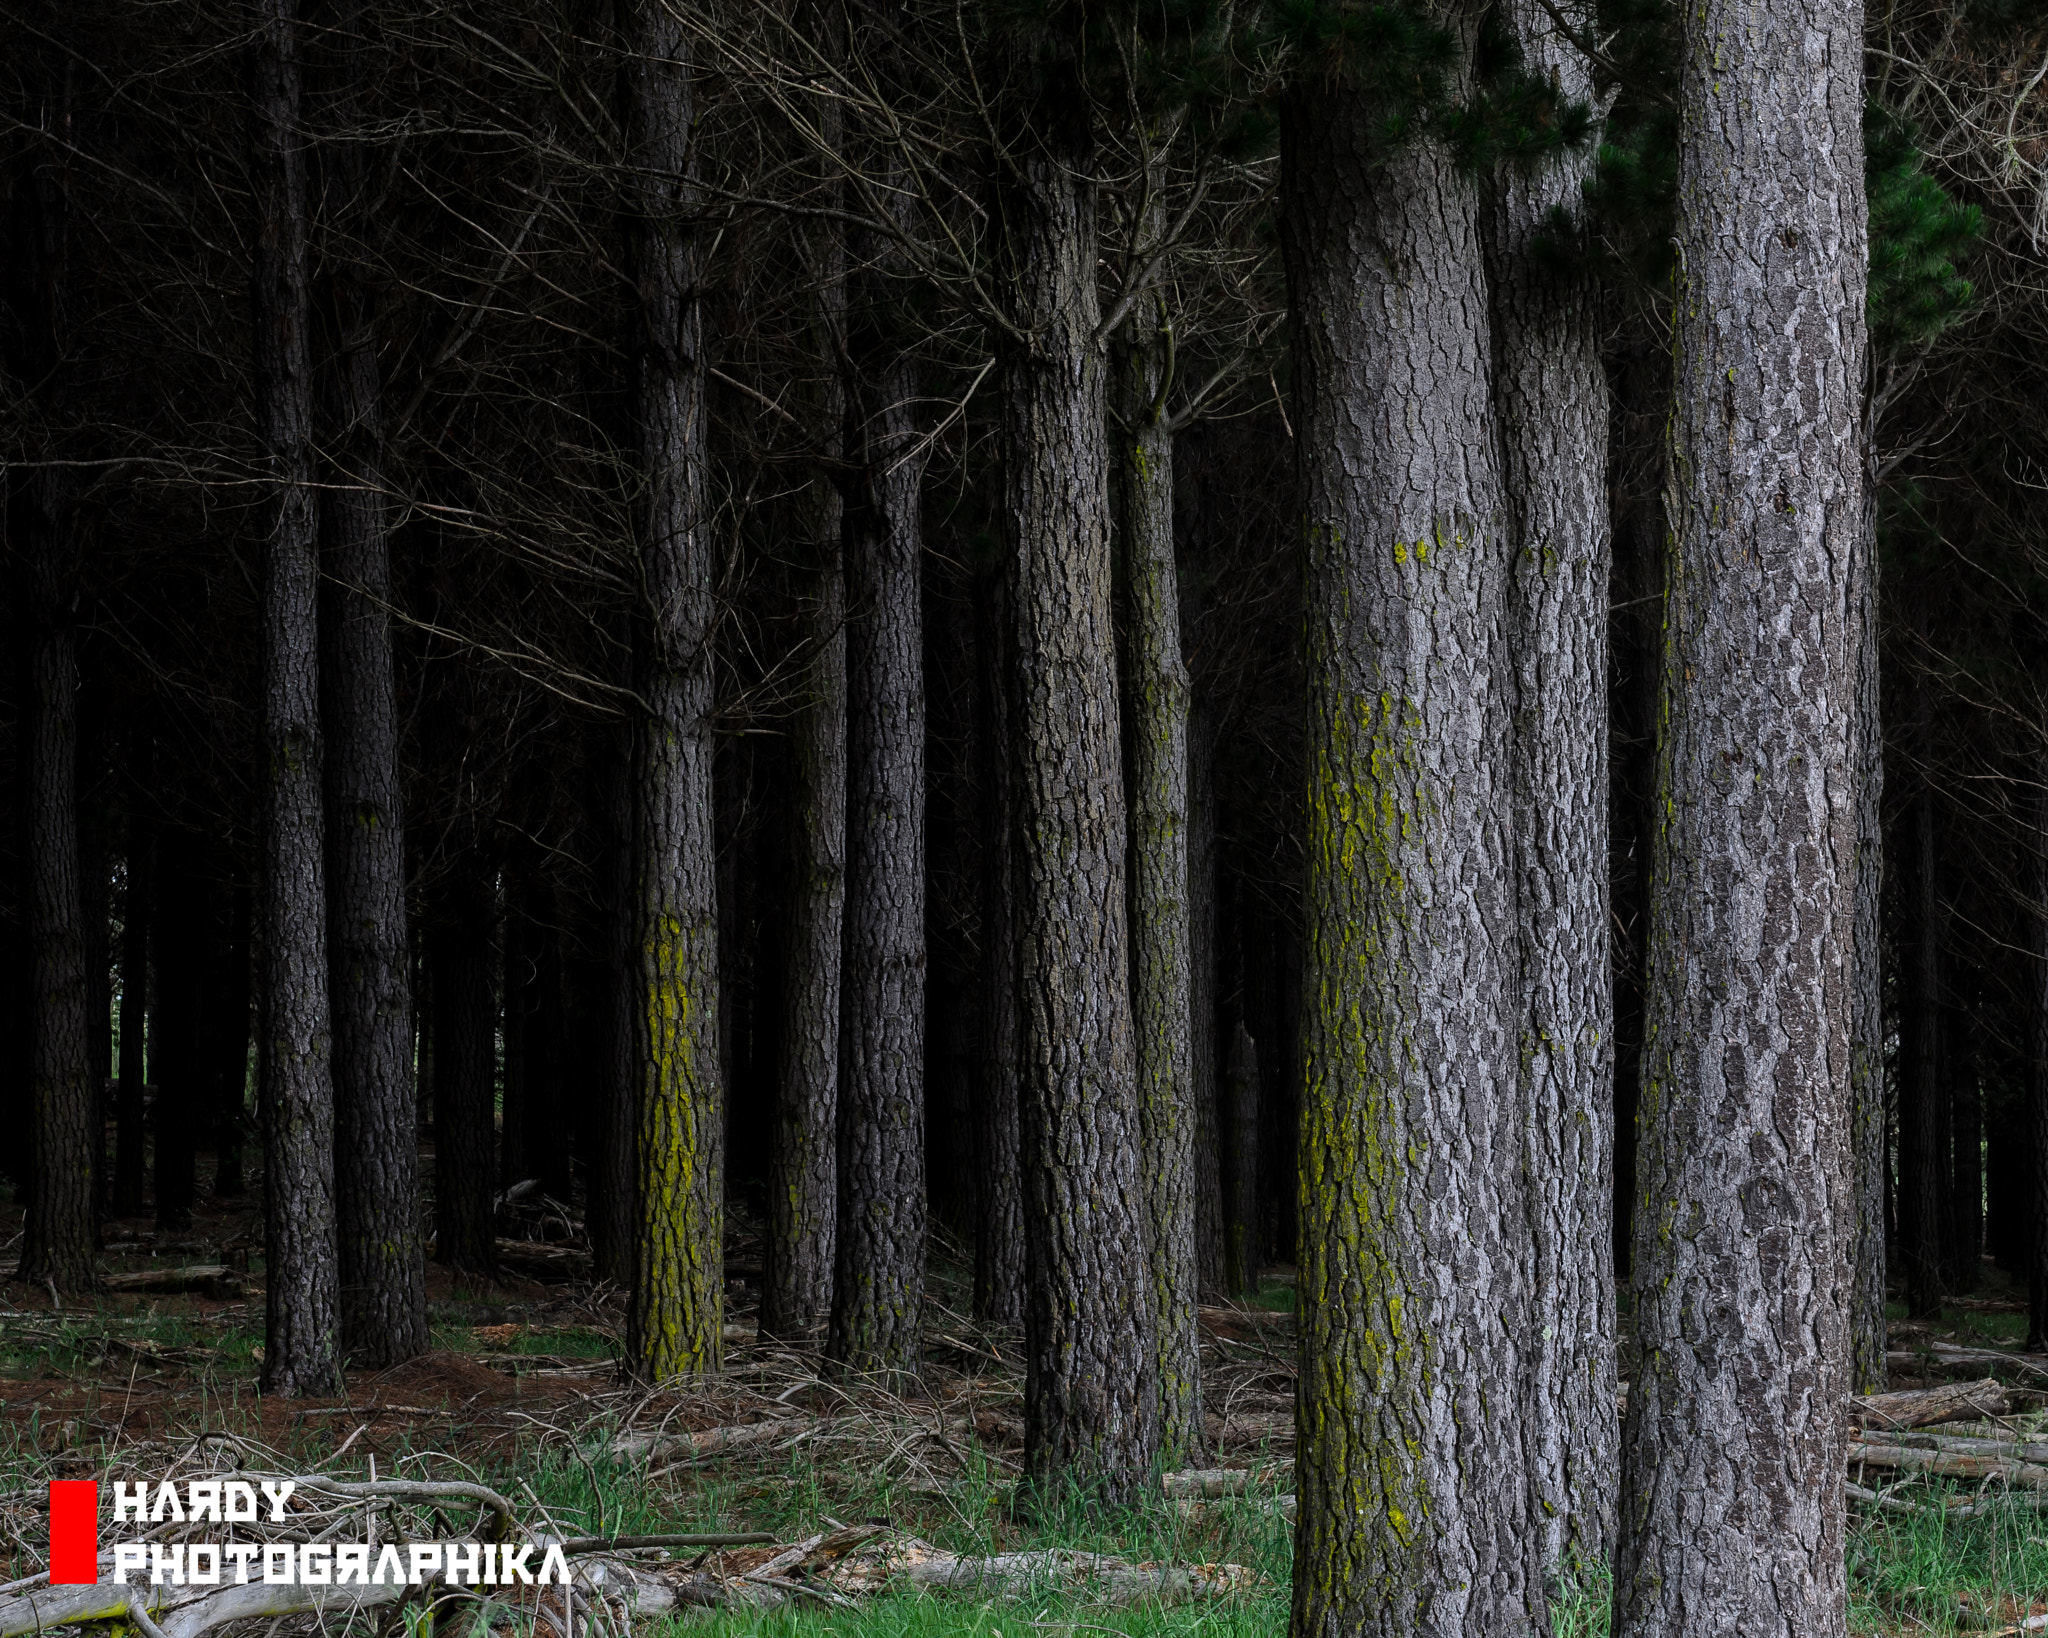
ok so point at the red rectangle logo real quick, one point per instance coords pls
(74, 1532)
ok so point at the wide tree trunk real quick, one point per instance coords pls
(1732, 1508)
(1868, 1111)
(1161, 950)
(675, 1321)
(1551, 390)
(302, 1297)
(465, 1020)
(376, 1174)
(878, 1289)
(999, 1192)
(1413, 1254)
(1090, 1398)
(129, 1135)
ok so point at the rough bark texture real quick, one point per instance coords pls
(1867, 1373)
(1090, 1402)
(465, 1019)
(1551, 391)
(674, 1326)
(301, 1302)
(1240, 1179)
(1414, 1498)
(878, 1289)
(999, 1198)
(803, 1176)
(376, 1173)
(1161, 955)
(1732, 1511)
(134, 1066)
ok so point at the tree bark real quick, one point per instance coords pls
(1161, 969)
(878, 1288)
(465, 1021)
(1868, 1109)
(1551, 389)
(999, 1198)
(129, 1136)
(1413, 1252)
(1090, 1398)
(675, 1322)
(1241, 1167)
(376, 1180)
(301, 1302)
(1732, 1507)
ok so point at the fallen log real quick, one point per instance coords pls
(1948, 1464)
(1948, 1356)
(210, 1279)
(1206, 1482)
(1928, 1407)
(708, 1441)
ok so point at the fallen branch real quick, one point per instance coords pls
(210, 1279)
(709, 1441)
(1948, 1464)
(1927, 1407)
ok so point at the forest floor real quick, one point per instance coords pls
(520, 1392)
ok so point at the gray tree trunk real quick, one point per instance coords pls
(1161, 953)
(1090, 1399)
(376, 1174)
(1551, 391)
(302, 1297)
(675, 1323)
(1416, 1511)
(1866, 1019)
(1732, 1506)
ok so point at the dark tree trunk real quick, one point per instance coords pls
(1551, 392)
(541, 1145)
(1732, 1508)
(185, 954)
(376, 1178)
(675, 1324)
(1966, 1147)
(1414, 1258)
(878, 1288)
(2034, 1180)
(301, 1302)
(1090, 1398)
(228, 1036)
(1240, 1179)
(1161, 965)
(999, 1196)
(465, 1024)
(614, 1216)
(1922, 1180)
(1202, 1002)
(134, 1068)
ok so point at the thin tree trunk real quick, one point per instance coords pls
(228, 1037)
(2035, 1179)
(184, 955)
(376, 1181)
(1240, 1181)
(999, 1197)
(1090, 1396)
(1866, 997)
(1551, 388)
(135, 930)
(615, 1176)
(1161, 976)
(301, 1302)
(465, 1022)
(674, 1327)
(1208, 1181)
(1966, 1151)
(1922, 1182)
(1732, 1506)
(878, 1288)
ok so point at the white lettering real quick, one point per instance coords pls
(461, 1564)
(552, 1559)
(167, 1495)
(280, 1562)
(316, 1564)
(511, 1562)
(241, 1552)
(205, 1503)
(426, 1555)
(134, 1506)
(352, 1563)
(278, 1494)
(160, 1561)
(239, 1503)
(129, 1555)
(397, 1576)
(207, 1553)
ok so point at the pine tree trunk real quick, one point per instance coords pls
(1240, 1181)
(1413, 1257)
(1922, 1180)
(1202, 1002)
(134, 1068)
(1732, 1507)
(184, 955)
(302, 1299)
(1090, 1398)
(1161, 972)
(229, 1038)
(1966, 1150)
(1551, 389)
(1866, 997)
(674, 1327)
(2034, 1186)
(465, 1022)
(999, 1197)
(615, 1174)
(803, 1184)
(376, 1174)
(878, 1288)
